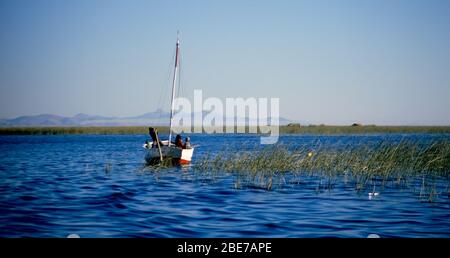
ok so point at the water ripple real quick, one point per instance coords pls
(53, 186)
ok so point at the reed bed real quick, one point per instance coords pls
(362, 163)
(114, 130)
(361, 129)
(284, 129)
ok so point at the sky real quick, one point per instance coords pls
(331, 62)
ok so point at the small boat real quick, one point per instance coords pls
(166, 151)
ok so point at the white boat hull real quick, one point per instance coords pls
(177, 155)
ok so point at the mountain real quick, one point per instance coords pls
(156, 118)
(153, 115)
(39, 120)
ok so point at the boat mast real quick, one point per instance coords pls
(173, 86)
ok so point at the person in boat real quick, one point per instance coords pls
(154, 135)
(187, 143)
(178, 141)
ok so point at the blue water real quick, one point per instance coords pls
(98, 186)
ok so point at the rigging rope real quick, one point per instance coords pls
(161, 105)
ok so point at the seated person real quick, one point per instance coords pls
(154, 135)
(187, 143)
(178, 141)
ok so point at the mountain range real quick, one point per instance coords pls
(156, 118)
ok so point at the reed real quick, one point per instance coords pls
(384, 159)
(363, 163)
(285, 129)
(116, 130)
(360, 129)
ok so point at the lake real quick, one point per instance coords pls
(98, 186)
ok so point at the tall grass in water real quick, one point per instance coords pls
(385, 161)
(284, 129)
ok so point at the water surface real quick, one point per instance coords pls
(97, 186)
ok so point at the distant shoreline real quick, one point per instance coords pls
(285, 129)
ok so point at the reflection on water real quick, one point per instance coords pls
(97, 186)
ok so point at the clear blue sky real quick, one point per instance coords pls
(332, 62)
